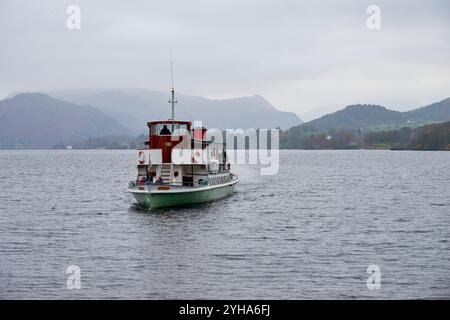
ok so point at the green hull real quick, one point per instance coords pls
(160, 200)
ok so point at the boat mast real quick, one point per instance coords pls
(173, 103)
(172, 100)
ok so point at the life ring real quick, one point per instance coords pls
(141, 157)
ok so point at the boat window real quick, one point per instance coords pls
(166, 129)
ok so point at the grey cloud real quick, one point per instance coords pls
(300, 55)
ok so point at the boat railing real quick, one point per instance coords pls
(136, 183)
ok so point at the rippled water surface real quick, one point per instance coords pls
(310, 231)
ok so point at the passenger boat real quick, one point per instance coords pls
(179, 166)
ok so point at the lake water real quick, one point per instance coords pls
(309, 232)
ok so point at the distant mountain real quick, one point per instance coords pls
(366, 116)
(357, 116)
(439, 111)
(36, 120)
(134, 107)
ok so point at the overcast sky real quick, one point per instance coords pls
(300, 55)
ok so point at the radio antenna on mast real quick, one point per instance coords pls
(171, 71)
(172, 100)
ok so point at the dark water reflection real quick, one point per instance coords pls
(308, 232)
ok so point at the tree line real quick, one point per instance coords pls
(427, 137)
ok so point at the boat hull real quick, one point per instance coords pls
(171, 199)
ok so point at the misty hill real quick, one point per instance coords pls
(439, 111)
(366, 116)
(134, 107)
(36, 120)
(346, 128)
(357, 116)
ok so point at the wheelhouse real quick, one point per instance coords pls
(164, 135)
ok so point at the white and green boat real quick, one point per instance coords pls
(178, 166)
